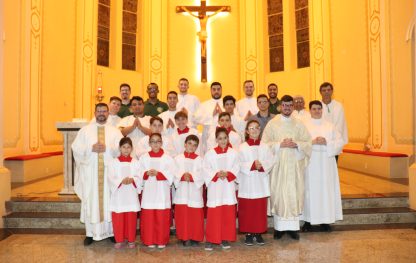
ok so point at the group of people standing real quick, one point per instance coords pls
(255, 157)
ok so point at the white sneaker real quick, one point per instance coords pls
(151, 246)
(161, 246)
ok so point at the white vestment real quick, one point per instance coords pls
(166, 116)
(124, 197)
(322, 191)
(136, 134)
(191, 104)
(334, 113)
(113, 120)
(221, 192)
(301, 115)
(287, 176)
(203, 116)
(245, 105)
(253, 184)
(233, 137)
(178, 141)
(86, 180)
(189, 193)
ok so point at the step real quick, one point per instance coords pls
(390, 215)
(378, 202)
(26, 206)
(51, 220)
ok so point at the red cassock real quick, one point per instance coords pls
(124, 226)
(252, 215)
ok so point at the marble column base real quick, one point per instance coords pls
(412, 186)
(5, 191)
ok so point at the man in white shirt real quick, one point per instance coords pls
(135, 126)
(168, 116)
(186, 102)
(333, 111)
(299, 112)
(207, 113)
(247, 107)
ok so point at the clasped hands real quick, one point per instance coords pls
(151, 172)
(258, 164)
(98, 147)
(222, 174)
(127, 180)
(288, 143)
(217, 110)
(187, 177)
(319, 141)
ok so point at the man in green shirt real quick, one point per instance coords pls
(153, 106)
(274, 101)
(125, 92)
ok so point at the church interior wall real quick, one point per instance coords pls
(170, 50)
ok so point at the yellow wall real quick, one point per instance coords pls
(50, 72)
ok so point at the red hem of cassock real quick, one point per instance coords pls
(154, 226)
(221, 225)
(252, 215)
(124, 226)
(189, 223)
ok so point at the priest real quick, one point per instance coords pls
(322, 204)
(247, 106)
(94, 147)
(290, 141)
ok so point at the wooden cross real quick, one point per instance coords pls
(202, 34)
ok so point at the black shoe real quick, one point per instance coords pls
(259, 239)
(173, 231)
(293, 234)
(112, 239)
(249, 240)
(278, 234)
(307, 227)
(326, 228)
(194, 243)
(186, 243)
(88, 241)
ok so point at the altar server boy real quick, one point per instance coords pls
(220, 168)
(182, 131)
(189, 213)
(124, 202)
(224, 121)
(256, 160)
(156, 170)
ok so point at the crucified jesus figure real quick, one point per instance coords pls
(202, 34)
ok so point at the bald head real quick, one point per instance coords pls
(298, 102)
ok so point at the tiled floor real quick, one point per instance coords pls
(352, 185)
(350, 246)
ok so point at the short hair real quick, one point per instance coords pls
(215, 83)
(172, 92)
(138, 98)
(152, 84)
(181, 114)
(287, 98)
(101, 104)
(155, 134)
(315, 102)
(192, 137)
(115, 98)
(246, 136)
(183, 79)
(220, 130)
(248, 81)
(155, 118)
(125, 140)
(272, 84)
(227, 98)
(125, 85)
(326, 84)
(262, 96)
(222, 114)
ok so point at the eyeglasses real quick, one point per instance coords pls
(154, 142)
(253, 128)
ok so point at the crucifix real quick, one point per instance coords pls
(203, 17)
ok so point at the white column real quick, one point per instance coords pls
(5, 186)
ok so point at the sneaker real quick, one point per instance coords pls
(249, 240)
(172, 232)
(259, 240)
(293, 234)
(225, 245)
(88, 241)
(131, 245)
(118, 245)
(209, 246)
(112, 239)
(194, 243)
(307, 227)
(278, 234)
(186, 243)
(151, 246)
(161, 246)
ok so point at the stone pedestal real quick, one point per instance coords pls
(69, 131)
(412, 186)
